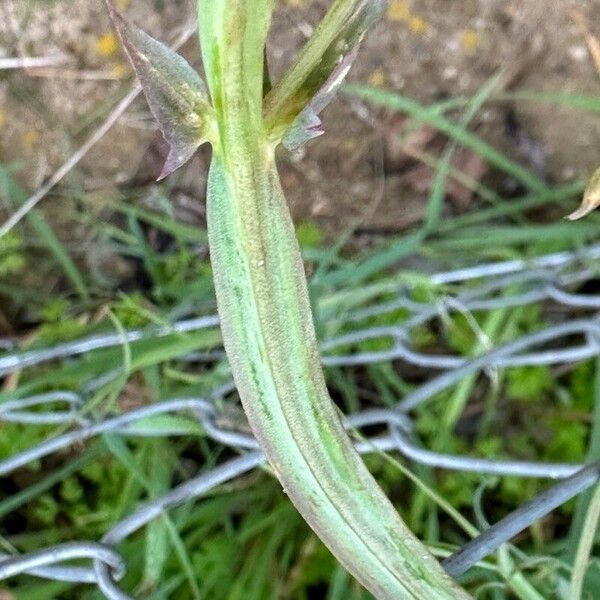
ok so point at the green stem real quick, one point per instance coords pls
(276, 102)
(270, 340)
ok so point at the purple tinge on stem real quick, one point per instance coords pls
(307, 124)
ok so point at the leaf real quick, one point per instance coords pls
(176, 94)
(171, 425)
(307, 124)
(292, 107)
(591, 198)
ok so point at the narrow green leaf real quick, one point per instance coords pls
(307, 125)
(16, 500)
(159, 470)
(292, 107)
(45, 233)
(176, 94)
(11, 191)
(168, 425)
(585, 545)
(593, 454)
(455, 132)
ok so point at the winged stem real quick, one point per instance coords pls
(259, 277)
(269, 335)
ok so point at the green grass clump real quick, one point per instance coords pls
(244, 540)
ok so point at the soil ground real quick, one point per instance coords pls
(358, 175)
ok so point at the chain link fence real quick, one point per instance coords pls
(574, 336)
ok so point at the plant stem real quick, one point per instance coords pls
(309, 57)
(269, 336)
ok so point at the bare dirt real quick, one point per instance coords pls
(358, 174)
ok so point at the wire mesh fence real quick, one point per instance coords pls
(573, 336)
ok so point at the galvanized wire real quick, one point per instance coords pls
(573, 336)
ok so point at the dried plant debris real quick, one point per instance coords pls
(591, 198)
(176, 94)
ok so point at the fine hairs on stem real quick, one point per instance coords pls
(261, 289)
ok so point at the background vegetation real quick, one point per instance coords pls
(114, 251)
